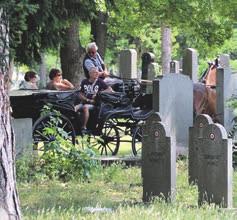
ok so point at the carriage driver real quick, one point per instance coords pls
(88, 89)
(93, 59)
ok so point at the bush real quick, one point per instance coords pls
(60, 159)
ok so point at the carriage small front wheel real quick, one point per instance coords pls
(109, 140)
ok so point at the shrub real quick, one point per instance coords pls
(60, 159)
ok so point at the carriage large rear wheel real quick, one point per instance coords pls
(137, 141)
(60, 125)
(109, 140)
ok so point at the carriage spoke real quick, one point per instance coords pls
(40, 134)
(110, 148)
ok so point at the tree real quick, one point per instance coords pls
(9, 202)
(72, 54)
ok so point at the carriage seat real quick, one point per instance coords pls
(141, 114)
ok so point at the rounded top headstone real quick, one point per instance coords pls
(202, 121)
(215, 132)
(148, 57)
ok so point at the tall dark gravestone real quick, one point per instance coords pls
(195, 135)
(214, 165)
(147, 58)
(158, 161)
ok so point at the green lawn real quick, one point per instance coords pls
(120, 190)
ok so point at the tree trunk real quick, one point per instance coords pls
(99, 31)
(42, 72)
(9, 201)
(72, 54)
(166, 49)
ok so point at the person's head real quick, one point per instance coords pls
(93, 73)
(92, 49)
(30, 76)
(54, 74)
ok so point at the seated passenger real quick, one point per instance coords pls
(30, 81)
(57, 82)
(93, 59)
(88, 90)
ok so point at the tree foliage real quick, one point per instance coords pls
(39, 25)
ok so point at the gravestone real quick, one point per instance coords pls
(195, 133)
(174, 66)
(128, 64)
(153, 71)
(173, 99)
(224, 60)
(190, 64)
(215, 166)
(147, 59)
(158, 161)
(23, 135)
(225, 88)
(150, 70)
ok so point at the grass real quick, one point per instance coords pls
(119, 190)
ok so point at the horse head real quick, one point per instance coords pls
(209, 76)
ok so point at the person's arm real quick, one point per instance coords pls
(109, 89)
(85, 99)
(66, 82)
(61, 86)
(105, 72)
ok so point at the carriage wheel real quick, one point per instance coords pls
(137, 141)
(61, 126)
(109, 140)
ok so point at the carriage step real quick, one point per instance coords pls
(128, 161)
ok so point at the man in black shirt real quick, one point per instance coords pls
(88, 90)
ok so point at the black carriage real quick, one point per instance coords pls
(116, 115)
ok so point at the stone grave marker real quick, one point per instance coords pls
(150, 70)
(190, 64)
(158, 161)
(147, 59)
(215, 166)
(173, 99)
(23, 135)
(174, 66)
(128, 64)
(195, 133)
(225, 88)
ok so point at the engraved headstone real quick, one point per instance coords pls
(173, 99)
(174, 66)
(215, 166)
(190, 64)
(158, 161)
(195, 133)
(128, 64)
(23, 134)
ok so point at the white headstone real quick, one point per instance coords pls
(190, 64)
(128, 64)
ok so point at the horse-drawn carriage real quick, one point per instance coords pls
(116, 115)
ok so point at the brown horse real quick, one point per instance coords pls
(204, 93)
